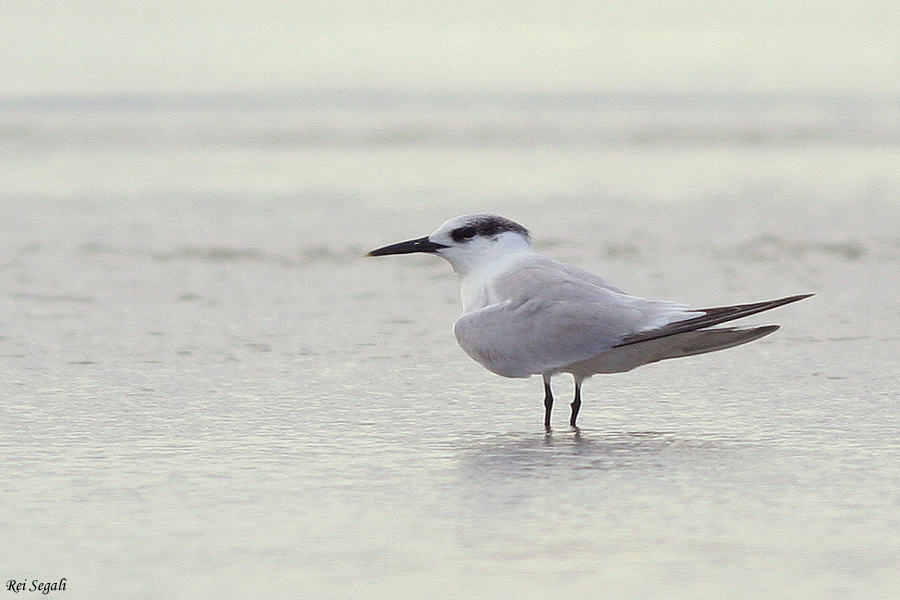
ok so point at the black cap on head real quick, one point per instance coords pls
(485, 225)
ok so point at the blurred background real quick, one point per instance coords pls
(427, 102)
(207, 392)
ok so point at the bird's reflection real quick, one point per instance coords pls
(555, 452)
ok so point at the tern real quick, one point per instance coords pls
(526, 314)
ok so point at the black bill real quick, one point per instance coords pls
(419, 245)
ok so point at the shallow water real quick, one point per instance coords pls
(208, 392)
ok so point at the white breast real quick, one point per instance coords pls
(477, 288)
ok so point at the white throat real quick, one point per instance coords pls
(479, 268)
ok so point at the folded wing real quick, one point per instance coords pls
(710, 317)
(550, 316)
(550, 319)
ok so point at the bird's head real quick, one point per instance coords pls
(467, 242)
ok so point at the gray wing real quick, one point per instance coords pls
(709, 317)
(550, 317)
(575, 273)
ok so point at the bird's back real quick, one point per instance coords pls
(540, 315)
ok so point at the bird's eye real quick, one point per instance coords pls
(463, 233)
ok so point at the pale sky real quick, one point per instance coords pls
(116, 46)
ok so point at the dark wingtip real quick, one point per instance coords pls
(712, 317)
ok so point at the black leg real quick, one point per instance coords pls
(548, 402)
(576, 404)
